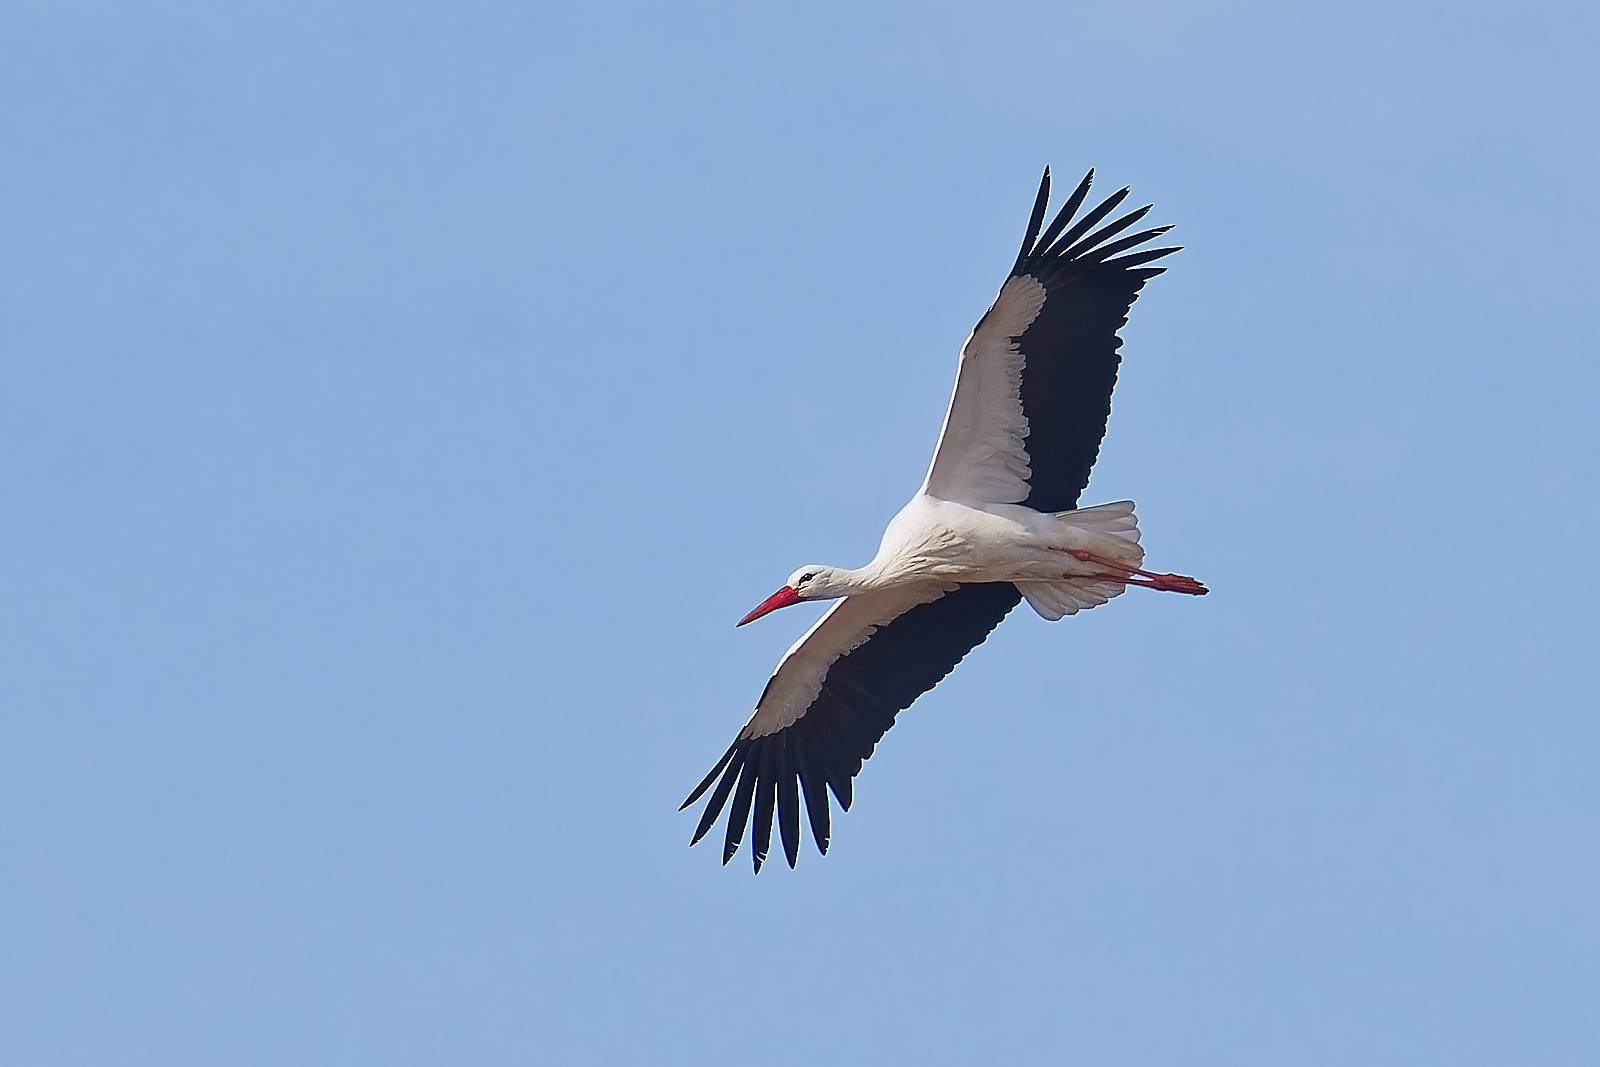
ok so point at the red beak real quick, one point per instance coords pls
(781, 599)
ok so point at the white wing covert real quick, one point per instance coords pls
(982, 454)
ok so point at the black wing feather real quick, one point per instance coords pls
(1143, 257)
(766, 798)
(706, 782)
(739, 817)
(720, 797)
(816, 790)
(788, 801)
(1063, 216)
(1105, 252)
(1110, 229)
(1035, 220)
(1059, 252)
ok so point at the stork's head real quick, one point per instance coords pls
(814, 582)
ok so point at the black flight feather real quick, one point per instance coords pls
(788, 802)
(1064, 216)
(1105, 252)
(704, 785)
(1035, 220)
(1110, 229)
(766, 794)
(739, 817)
(1082, 226)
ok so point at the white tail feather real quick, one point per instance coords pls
(1111, 530)
(1053, 600)
(1110, 520)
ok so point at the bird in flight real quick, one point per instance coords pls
(995, 522)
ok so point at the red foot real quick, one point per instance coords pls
(1172, 583)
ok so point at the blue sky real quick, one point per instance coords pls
(400, 402)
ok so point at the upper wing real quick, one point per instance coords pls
(833, 696)
(1034, 389)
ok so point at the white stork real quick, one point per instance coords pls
(996, 521)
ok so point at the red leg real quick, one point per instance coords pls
(1170, 583)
